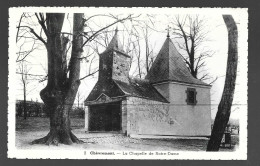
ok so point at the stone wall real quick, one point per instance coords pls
(121, 67)
(124, 116)
(144, 115)
(194, 120)
(177, 118)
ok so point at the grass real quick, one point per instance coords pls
(38, 123)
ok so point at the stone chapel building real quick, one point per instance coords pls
(169, 101)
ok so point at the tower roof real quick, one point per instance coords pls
(169, 65)
(115, 44)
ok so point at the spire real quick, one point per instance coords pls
(116, 30)
(115, 43)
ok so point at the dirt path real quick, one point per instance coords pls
(34, 128)
(109, 141)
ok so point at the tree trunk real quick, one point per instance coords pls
(192, 59)
(60, 92)
(225, 104)
(146, 50)
(78, 99)
(24, 102)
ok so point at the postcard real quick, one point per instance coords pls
(127, 83)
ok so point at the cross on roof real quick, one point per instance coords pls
(168, 31)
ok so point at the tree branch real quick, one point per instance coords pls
(27, 53)
(213, 81)
(93, 36)
(35, 34)
(19, 27)
(88, 75)
(37, 75)
(42, 23)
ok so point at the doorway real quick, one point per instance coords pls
(105, 117)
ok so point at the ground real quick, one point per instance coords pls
(35, 127)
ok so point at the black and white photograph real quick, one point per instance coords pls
(127, 83)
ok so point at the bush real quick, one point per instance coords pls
(33, 109)
(77, 112)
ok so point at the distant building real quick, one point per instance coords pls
(169, 101)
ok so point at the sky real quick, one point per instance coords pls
(216, 65)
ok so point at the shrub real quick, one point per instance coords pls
(77, 112)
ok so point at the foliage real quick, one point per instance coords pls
(77, 112)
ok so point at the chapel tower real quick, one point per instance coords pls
(114, 62)
(189, 97)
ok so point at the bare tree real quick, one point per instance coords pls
(25, 40)
(143, 32)
(137, 55)
(25, 81)
(79, 98)
(190, 29)
(148, 47)
(63, 72)
(225, 104)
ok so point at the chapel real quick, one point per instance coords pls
(169, 101)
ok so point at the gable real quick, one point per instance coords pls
(109, 88)
(103, 97)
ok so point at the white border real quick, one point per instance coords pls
(239, 154)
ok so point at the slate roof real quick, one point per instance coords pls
(169, 65)
(109, 88)
(140, 88)
(135, 87)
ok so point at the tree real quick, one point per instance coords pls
(148, 47)
(60, 92)
(137, 55)
(63, 72)
(190, 29)
(144, 31)
(225, 104)
(148, 57)
(25, 81)
(79, 98)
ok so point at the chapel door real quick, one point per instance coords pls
(105, 117)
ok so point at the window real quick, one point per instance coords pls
(191, 96)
